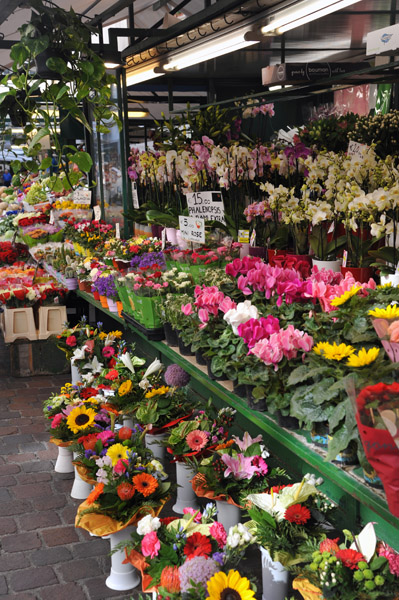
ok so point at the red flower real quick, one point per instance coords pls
(329, 546)
(197, 545)
(113, 374)
(88, 441)
(71, 341)
(350, 558)
(297, 514)
(125, 490)
(87, 392)
(125, 433)
(166, 520)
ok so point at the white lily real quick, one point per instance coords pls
(94, 366)
(270, 503)
(129, 364)
(155, 366)
(79, 354)
(366, 541)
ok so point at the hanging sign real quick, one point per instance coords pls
(357, 150)
(206, 205)
(82, 196)
(192, 229)
(135, 195)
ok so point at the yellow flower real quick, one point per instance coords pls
(333, 351)
(390, 312)
(102, 335)
(91, 400)
(125, 387)
(80, 418)
(157, 391)
(116, 334)
(363, 357)
(117, 452)
(382, 286)
(346, 295)
(222, 586)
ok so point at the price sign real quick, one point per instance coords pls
(357, 150)
(135, 195)
(82, 196)
(97, 213)
(117, 231)
(243, 236)
(191, 229)
(206, 205)
(253, 238)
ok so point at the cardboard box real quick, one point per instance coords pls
(383, 41)
(303, 72)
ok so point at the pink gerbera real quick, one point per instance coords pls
(108, 351)
(197, 439)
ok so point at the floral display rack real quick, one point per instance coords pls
(358, 502)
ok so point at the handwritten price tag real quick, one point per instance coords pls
(206, 205)
(97, 213)
(253, 238)
(82, 196)
(191, 229)
(135, 195)
(117, 231)
(357, 150)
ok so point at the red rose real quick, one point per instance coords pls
(71, 341)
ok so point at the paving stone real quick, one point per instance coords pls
(33, 490)
(9, 415)
(29, 579)
(38, 465)
(97, 590)
(24, 596)
(17, 507)
(20, 542)
(52, 502)
(7, 481)
(23, 478)
(80, 569)
(64, 592)
(63, 485)
(23, 438)
(60, 536)
(3, 586)
(51, 556)
(7, 525)
(13, 562)
(24, 457)
(68, 515)
(94, 547)
(9, 469)
(34, 446)
(5, 495)
(48, 453)
(39, 520)
(8, 430)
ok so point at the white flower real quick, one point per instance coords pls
(94, 366)
(79, 354)
(129, 364)
(88, 378)
(233, 539)
(148, 524)
(241, 314)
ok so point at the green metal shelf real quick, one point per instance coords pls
(358, 501)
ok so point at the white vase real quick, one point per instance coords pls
(127, 421)
(276, 583)
(151, 442)
(186, 497)
(171, 235)
(75, 375)
(122, 576)
(64, 460)
(328, 265)
(80, 489)
(228, 514)
(393, 279)
(113, 307)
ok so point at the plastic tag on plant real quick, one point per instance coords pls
(253, 238)
(135, 195)
(331, 228)
(51, 220)
(243, 236)
(97, 213)
(117, 231)
(397, 269)
(344, 258)
(163, 238)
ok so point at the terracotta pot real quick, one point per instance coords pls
(104, 301)
(82, 286)
(87, 286)
(120, 265)
(361, 274)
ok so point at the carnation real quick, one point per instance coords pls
(175, 376)
(199, 570)
(148, 524)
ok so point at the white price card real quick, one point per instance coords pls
(191, 229)
(135, 195)
(51, 220)
(206, 205)
(163, 238)
(117, 231)
(243, 236)
(82, 196)
(97, 213)
(357, 150)
(344, 258)
(253, 238)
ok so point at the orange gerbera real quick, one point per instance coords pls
(98, 490)
(225, 445)
(145, 484)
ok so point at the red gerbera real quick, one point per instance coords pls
(297, 514)
(350, 558)
(197, 545)
(111, 375)
(329, 546)
(87, 392)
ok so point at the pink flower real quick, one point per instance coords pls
(104, 436)
(240, 467)
(203, 315)
(246, 441)
(187, 309)
(227, 304)
(120, 466)
(56, 420)
(108, 351)
(71, 341)
(392, 558)
(150, 544)
(218, 532)
(393, 331)
(191, 511)
(196, 440)
(89, 346)
(260, 464)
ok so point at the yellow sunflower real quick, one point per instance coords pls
(116, 452)
(390, 312)
(157, 391)
(80, 418)
(125, 387)
(363, 357)
(223, 587)
(320, 347)
(382, 286)
(335, 351)
(346, 296)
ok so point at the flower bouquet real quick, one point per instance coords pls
(38, 233)
(11, 253)
(96, 349)
(289, 519)
(358, 569)
(386, 324)
(175, 555)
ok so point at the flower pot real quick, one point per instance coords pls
(152, 443)
(81, 285)
(170, 335)
(122, 576)
(361, 274)
(127, 421)
(328, 265)
(80, 489)
(186, 497)
(64, 460)
(287, 421)
(104, 301)
(75, 375)
(258, 251)
(211, 375)
(272, 253)
(276, 584)
(112, 305)
(259, 405)
(184, 349)
(148, 311)
(171, 235)
(96, 296)
(71, 283)
(346, 457)
(200, 358)
(301, 258)
(120, 264)
(370, 476)
(156, 231)
(228, 514)
(240, 390)
(393, 279)
(119, 306)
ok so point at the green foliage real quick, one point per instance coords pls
(329, 133)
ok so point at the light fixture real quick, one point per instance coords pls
(303, 12)
(137, 114)
(111, 65)
(140, 75)
(207, 50)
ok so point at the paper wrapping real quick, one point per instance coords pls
(200, 488)
(58, 442)
(138, 561)
(84, 473)
(307, 590)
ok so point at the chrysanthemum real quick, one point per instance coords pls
(390, 312)
(145, 484)
(346, 295)
(297, 514)
(334, 351)
(125, 490)
(196, 440)
(232, 585)
(117, 452)
(80, 418)
(125, 387)
(363, 357)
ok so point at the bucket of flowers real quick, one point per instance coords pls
(177, 556)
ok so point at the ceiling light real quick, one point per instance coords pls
(137, 114)
(304, 12)
(111, 65)
(207, 51)
(140, 75)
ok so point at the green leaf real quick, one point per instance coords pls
(62, 92)
(87, 68)
(19, 53)
(46, 163)
(39, 135)
(39, 45)
(57, 64)
(377, 563)
(16, 165)
(83, 160)
(304, 372)
(337, 416)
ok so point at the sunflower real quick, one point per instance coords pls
(117, 452)
(229, 587)
(145, 484)
(334, 351)
(125, 388)
(363, 357)
(157, 391)
(346, 295)
(80, 418)
(390, 312)
(382, 286)
(320, 347)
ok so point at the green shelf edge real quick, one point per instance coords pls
(358, 491)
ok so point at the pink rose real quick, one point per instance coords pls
(71, 341)
(150, 544)
(57, 420)
(191, 511)
(121, 466)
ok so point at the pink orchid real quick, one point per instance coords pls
(246, 441)
(240, 467)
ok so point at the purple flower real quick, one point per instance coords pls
(197, 570)
(89, 453)
(147, 260)
(175, 376)
(218, 557)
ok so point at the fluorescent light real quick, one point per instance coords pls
(207, 51)
(111, 65)
(140, 75)
(137, 114)
(272, 88)
(304, 12)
